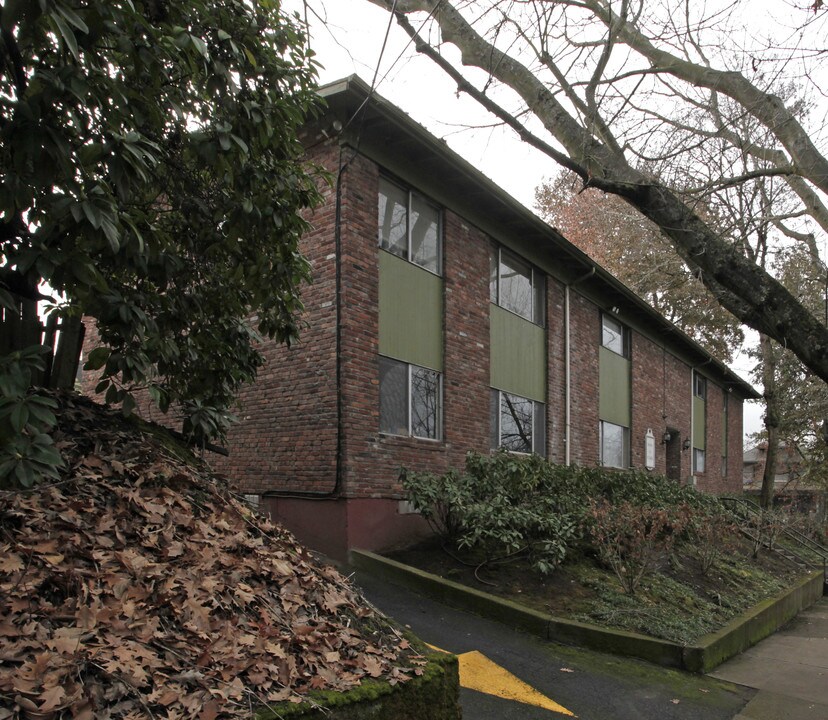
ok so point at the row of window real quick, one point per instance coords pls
(410, 227)
(411, 396)
(411, 399)
(411, 405)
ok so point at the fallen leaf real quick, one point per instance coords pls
(52, 699)
(10, 562)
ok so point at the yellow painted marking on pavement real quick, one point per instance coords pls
(479, 673)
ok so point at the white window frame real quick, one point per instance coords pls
(410, 195)
(537, 281)
(625, 449)
(623, 331)
(538, 418)
(410, 405)
(699, 386)
(699, 468)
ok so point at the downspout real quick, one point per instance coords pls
(568, 365)
(692, 479)
(340, 429)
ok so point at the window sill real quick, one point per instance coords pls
(411, 440)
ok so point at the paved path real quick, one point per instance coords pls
(588, 685)
(789, 669)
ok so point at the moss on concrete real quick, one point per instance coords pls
(431, 696)
(752, 626)
(709, 652)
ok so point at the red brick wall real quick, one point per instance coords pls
(556, 373)
(374, 460)
(735, 443)
(712, 480)
(286, 435)
(660, 400)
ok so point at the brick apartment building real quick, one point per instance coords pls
(445, 317)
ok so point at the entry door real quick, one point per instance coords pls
(673, 451)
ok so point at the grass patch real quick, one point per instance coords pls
(627, 550)
(676, 602)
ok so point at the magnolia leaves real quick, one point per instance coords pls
(139, 584)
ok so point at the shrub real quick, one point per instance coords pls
(506, 504)
(711, 534)
(503, 505)
(765, 528)
(633, 539)
(440, 499)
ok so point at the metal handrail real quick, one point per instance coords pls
(794, 535)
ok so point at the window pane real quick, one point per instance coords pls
(393, 396)
(516, 420)
(425, 402)
(698, 460)
(613, 335)
(515, 286)
(425, 234)
(613, 445)
(393, 232)
(539, 290)
(701, 387)
(540, 429)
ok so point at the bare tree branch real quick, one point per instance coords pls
(745, 289)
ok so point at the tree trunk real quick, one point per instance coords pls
(768, 356)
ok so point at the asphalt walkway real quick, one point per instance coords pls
(789, 669)
(509, 675)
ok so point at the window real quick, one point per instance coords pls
(518, 424)
(615, 445)
(516, 286)
(614, 336)
(699, 386)
(409, 226)
(698, 460)
(410, 399)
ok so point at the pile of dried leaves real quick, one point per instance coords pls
(139, 586)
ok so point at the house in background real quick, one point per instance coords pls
(792, 486)
(445, 317)
(789, 467)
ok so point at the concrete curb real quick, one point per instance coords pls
(710, 651)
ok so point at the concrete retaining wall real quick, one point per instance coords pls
(710, 651)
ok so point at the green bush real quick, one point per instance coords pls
(505, 505)
(502, 505)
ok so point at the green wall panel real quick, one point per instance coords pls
(699, 423)
(614, 387)
(518, 355)
(410, 312)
